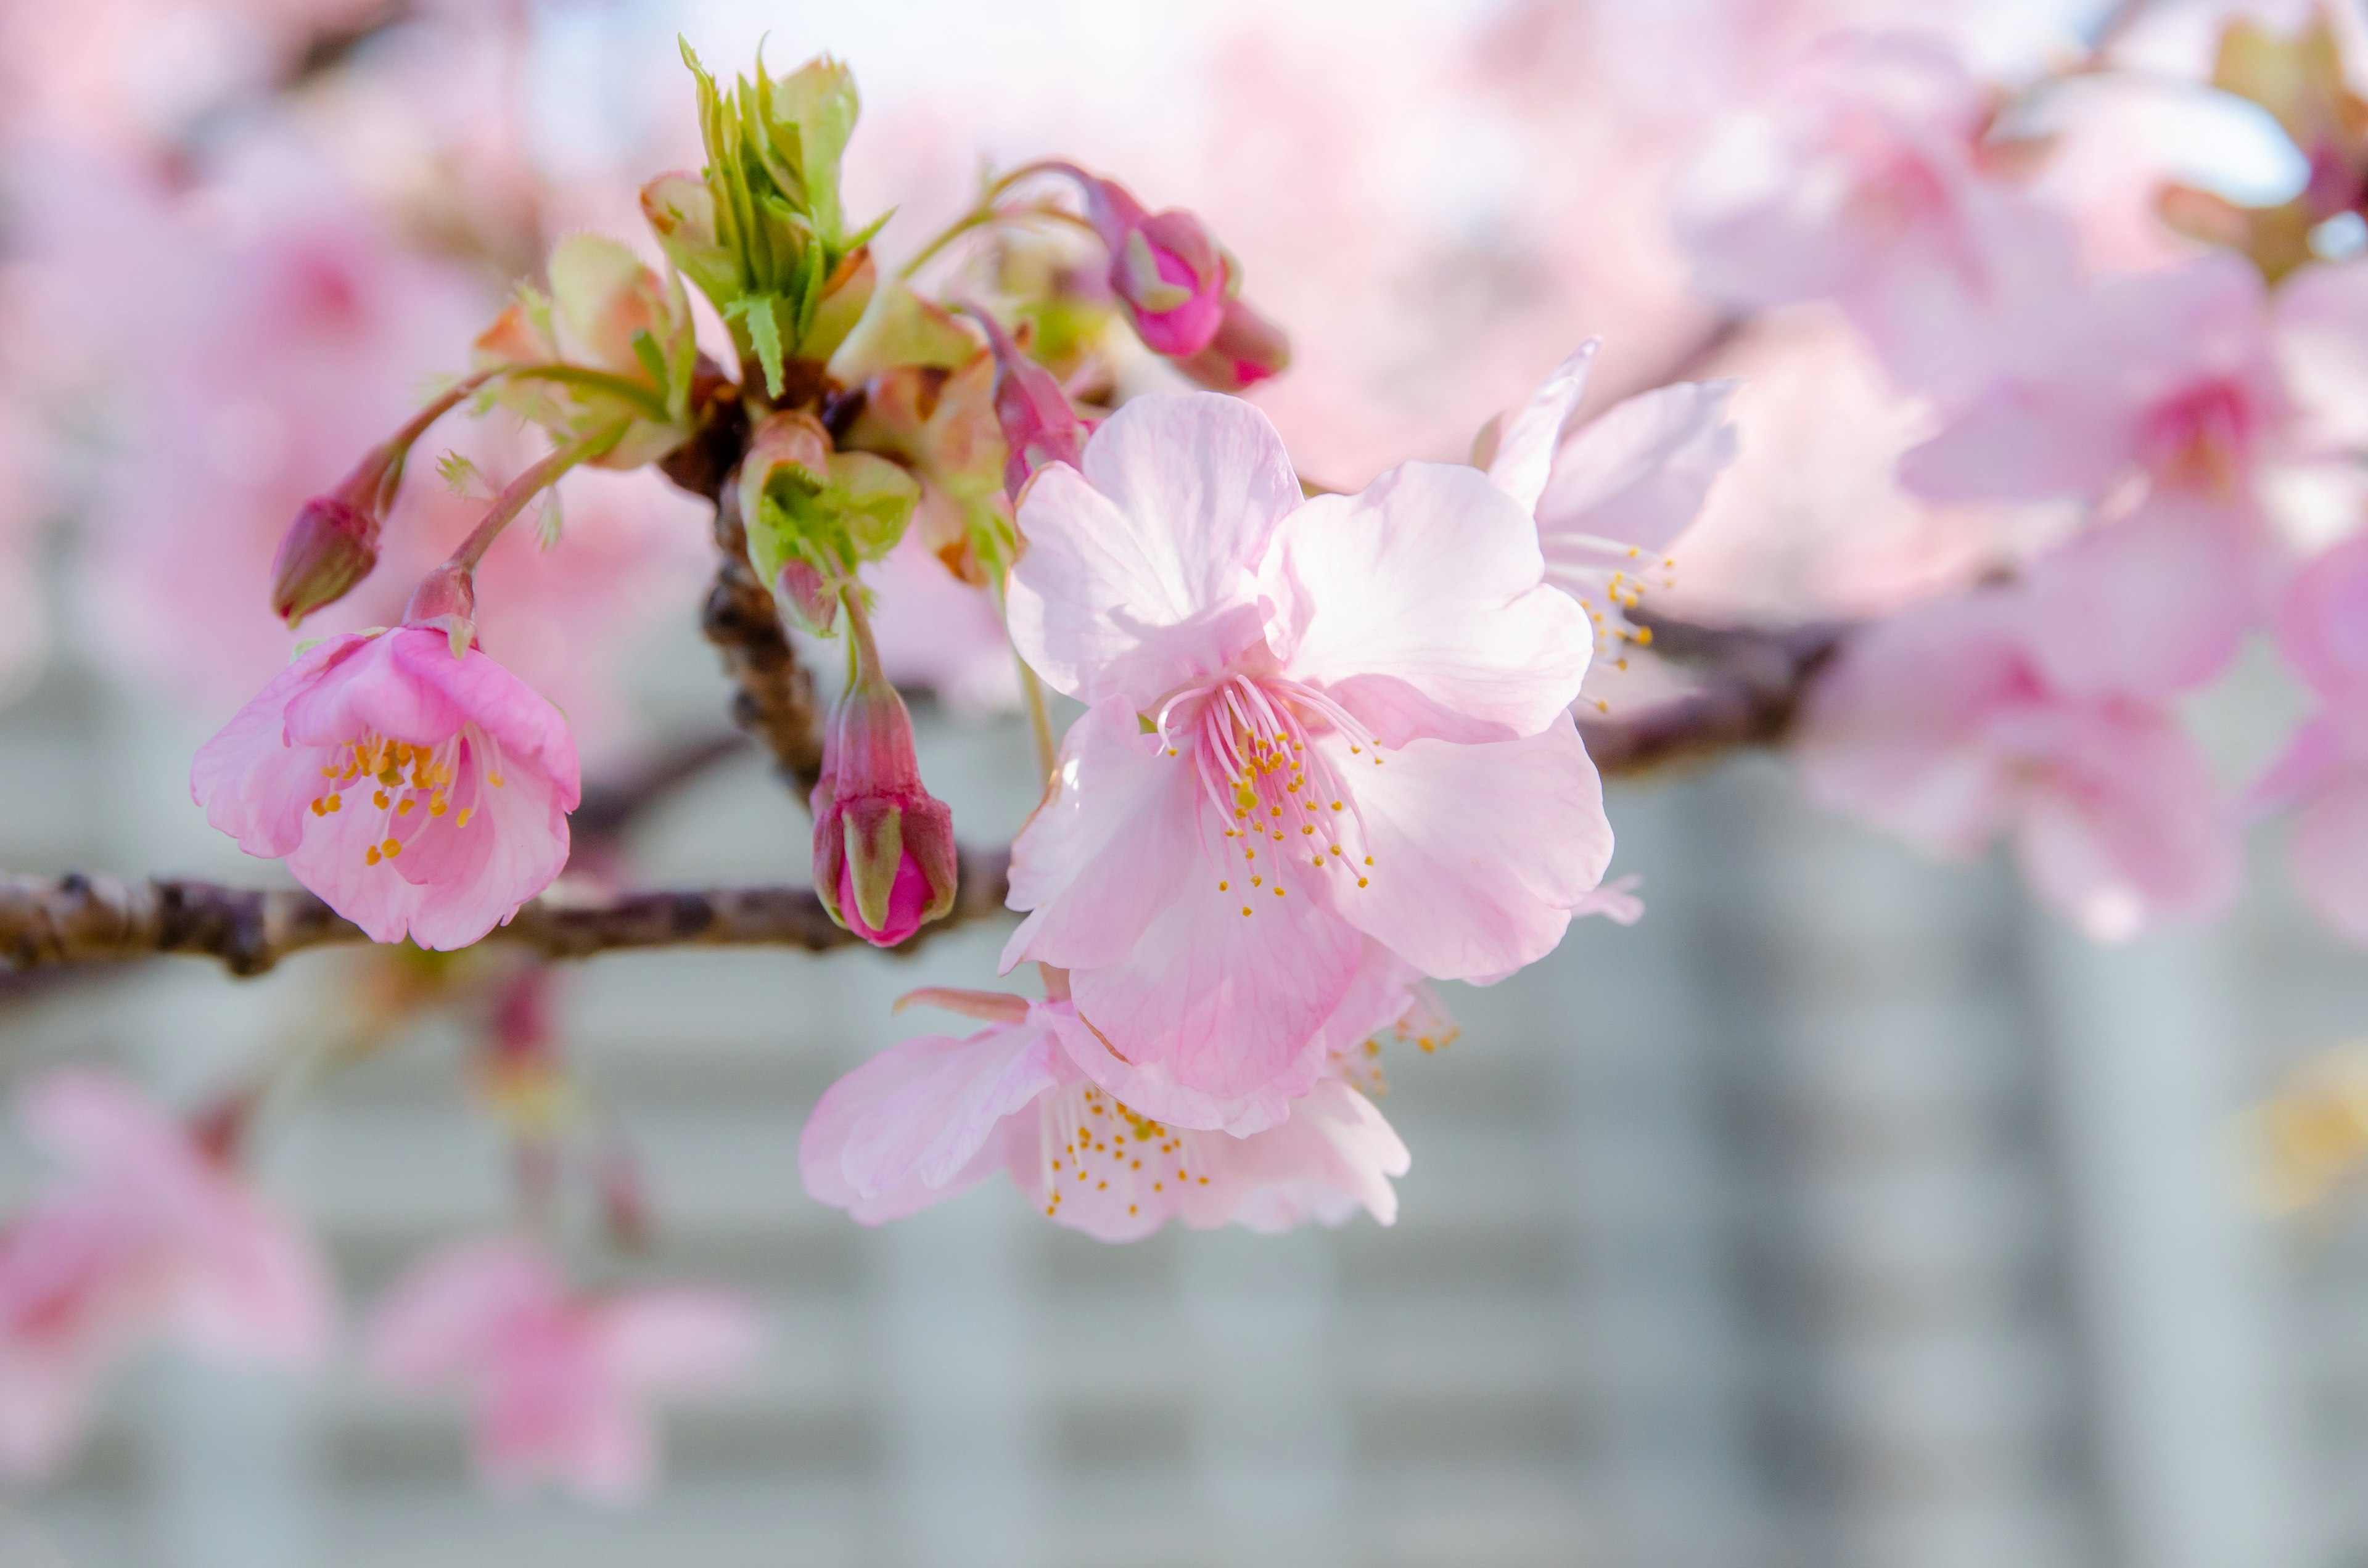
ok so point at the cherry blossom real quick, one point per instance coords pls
(423, 792)
(557, 1379)
(931, 1117)
(1307, 721)
(1864, 179)
(2170, 374)
(148, 1233)
(1612, 495)
(2040, 709)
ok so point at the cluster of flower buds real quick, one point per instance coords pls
(760, 230)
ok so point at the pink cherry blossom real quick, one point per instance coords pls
(928, 1118)
(423, 795)
(148, 1233)
(2041, 710)
(557, 1379)
(2322, 776)
(1863, 181)
(2168, 373)
(1612, 495)
(1308, 722)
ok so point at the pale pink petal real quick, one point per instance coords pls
(255, 1285)
(375, 692)
(96, 1121)
(1616, 901)
(444, 1320)
(1136, 572)
(1480, 853)
(2155, 604)
(254, 786)
(1638, 475)
(1103, 855)
(2322, 622)
(1334, 1156)
(676, 1339)
(917, 1113)
(2322, 341)
(1530, 436)
(2129, 829)
(2023, 441)
(1418, 604)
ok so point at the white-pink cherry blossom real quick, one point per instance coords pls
(1310, 721)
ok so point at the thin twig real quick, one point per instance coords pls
(1750, 684)
(80, 919)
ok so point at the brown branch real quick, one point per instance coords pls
(84, 919)
(775, 699)
(1750, 690)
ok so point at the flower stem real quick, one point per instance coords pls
(986, 212)
(525, 487)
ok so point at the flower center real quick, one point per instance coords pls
(2201, 439)
(1267, 780)
(1097, 1145)
(409, 786)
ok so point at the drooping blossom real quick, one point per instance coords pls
(1612, 495)
(1166, 268)
(2168, 373)
(557, 1379)
(2041, 710)
(2322, 776)
(1866, 179)
(148, 1233)
(931, 1117)
(1308, 723)
(423, 793)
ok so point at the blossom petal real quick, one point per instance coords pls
(443, 1320)
(254, 785)
(1137, 571)
(2326, 855)
(1335, 1156)
(1418, 604)
(1638, 475)
(1480, 853)
(2155, 604)
(1103, 854)
(1526, 440)
(676, 1339)
(2023, 441)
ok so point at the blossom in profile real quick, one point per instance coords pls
(148, 1233)
(1611, 495)
(931, 1117)
(422, 792)
(557, 1379)
(2041, 710)
(1867, 178)
(2322, 775)
(1167, 269)
(1309, 722)
(2170, 374)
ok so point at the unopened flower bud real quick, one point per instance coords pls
(331, 546)
(1039, 425)
(883, 846)
(1166, 268)
(1247, 349)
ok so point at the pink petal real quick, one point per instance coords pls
(2025, 441)
(1104, 853)
(2322, 622)
(375, 692)
(2152, 605)
(1637, 475)
(1137, 574)
(676, 1339)
(909, 1122)
(254, 786)
(521, 720)
(1418, 604)
(1528, 441)
(1480, 853)
(444, 1319)
(1335, 1156)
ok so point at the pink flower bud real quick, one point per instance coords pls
(331, 546)
(1166, 268)
(1247, 349)
(1039, 425)
(883, 847)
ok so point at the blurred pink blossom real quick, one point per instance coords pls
(422, 792)
(1360, 679)
(927, 1117)
(2322, 776)
(148, 1233)
(2040, 709)
(557, 1379)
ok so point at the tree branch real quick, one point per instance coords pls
(1752, 683)
(80, 919)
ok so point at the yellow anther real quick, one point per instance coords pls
(392, 846)
(336, 799)
(496, 779)
(405, 809)
(1369, 859)
(1245, 909)
(1309, 831)
(320, 810)
(435, 805)
(1258, 881)
(379, 799)
(1336, 805)
(1278, 893)
(371, 856)
(462, 820)
(1360, 881)
(1223, 886)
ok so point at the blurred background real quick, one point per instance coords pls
(1846, 1211)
